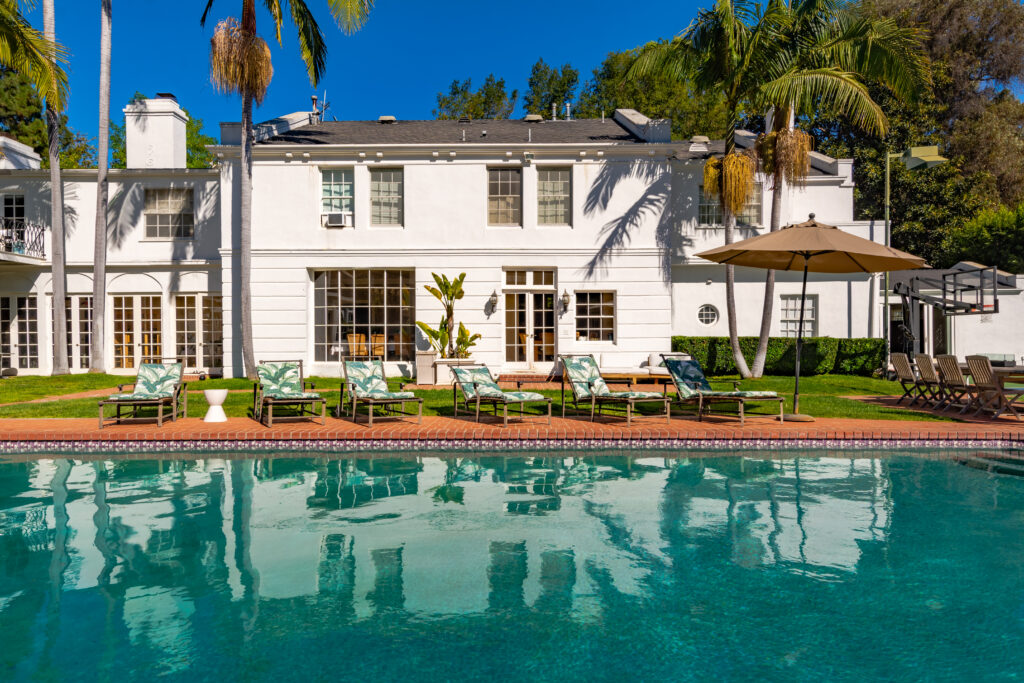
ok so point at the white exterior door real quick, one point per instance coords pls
(530, 320)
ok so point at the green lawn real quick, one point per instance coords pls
(819, 396)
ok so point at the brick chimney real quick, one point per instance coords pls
(155, 133)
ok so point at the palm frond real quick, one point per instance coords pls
(312, 46)
(274, 7)
(239, 61)
(27, 51)
(206, 12)
(351, 15)
(842, 89)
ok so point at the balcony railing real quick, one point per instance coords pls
(24, 239)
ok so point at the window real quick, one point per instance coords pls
(595, 316)
(789, 321)
(27, 314)
(364, 313)
(536, 278)
(150, 334)
(711, 210)
(84, 330)
(337, 190)
(169, 213)
(504, 196)
(554, 196)
(199, 339)
(78, 318)
(707, 315)
(386, 188)
(124, 332)
(138, 331)
(515, 277)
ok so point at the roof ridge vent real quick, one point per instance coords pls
(386, 119)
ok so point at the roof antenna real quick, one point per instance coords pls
(568, 111)
(554, 111)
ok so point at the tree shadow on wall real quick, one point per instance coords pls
(656, 201)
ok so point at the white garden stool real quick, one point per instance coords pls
(216, 398)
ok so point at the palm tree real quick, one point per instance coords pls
(99, 269)
(27, 51)
(825, 36)
(240, 64)
(753, 58)
(58, 268)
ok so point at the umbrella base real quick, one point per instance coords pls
(797, 417)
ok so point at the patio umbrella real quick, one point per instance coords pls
(816, 247)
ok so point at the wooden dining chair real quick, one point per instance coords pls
(957, 391)
(931, 385)
(912, 386)
(991, 393)
(357, 344)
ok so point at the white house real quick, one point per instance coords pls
(575, 235)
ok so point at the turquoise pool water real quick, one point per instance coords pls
(603, 568)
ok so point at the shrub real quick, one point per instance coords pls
(819, 356)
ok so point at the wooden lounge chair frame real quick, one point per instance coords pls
(493, 401)
(931, 385)
(178, 403)
(596, 403)
(991, 393)
(955, 388)
(264, 405)
(706, 401)
(389, 404)
(913, 387)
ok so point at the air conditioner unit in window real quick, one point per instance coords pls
(339, 220)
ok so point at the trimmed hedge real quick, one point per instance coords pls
(820, 355)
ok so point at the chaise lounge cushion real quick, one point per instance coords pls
(586, 381)
(478, 381)
(690, 381)
(367, 381)
(155, 381)
(281, 381)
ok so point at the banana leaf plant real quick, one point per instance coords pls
(444, 339)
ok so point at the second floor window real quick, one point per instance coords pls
(337, 192)
(169, 213)
(14, 210)
(504, 196)
(711, 209)
(554, 196)
(386, 186)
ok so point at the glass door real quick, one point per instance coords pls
(530, 328)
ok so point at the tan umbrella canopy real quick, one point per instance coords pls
(816, 247)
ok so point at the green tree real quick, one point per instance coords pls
(657, 95)
(240, 64)
(995, 237)
(550, 85)
(22, 118)
(196, 154)
(490, 101)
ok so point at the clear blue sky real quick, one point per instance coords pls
(409, 50)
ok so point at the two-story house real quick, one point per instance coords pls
(575, 236)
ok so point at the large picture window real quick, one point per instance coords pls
(711, 209)
(595, 316)
(386, 185)
(169, 213)
(362, 313)
(554, 196)
(504, 196)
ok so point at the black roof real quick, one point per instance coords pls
(507, 131)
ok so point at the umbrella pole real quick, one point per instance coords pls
(796, 416)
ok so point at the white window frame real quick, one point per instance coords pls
(79, 326)
(187, 235)
(136, 331)
(203, 335)
(789, 315)
(516, 210)
(709, 209)
(615, 315)
(400, 196)
(718, 315)
(18, 326)
(566, 197)
(322, 198)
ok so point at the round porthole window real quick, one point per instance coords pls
(707, 315)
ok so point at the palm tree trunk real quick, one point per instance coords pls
(769, 282)
(245, 240)
(60, 321)
(730, 301)
(97, 343)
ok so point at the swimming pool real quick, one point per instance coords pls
(511, 568)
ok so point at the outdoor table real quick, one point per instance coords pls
(1012, 373)
(216, 398)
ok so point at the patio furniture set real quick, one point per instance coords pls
(281, 384)
(945, 385)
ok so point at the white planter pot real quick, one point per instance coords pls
(425, 367)
(443, 369)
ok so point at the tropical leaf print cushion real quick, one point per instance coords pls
(282, 380)
(477, 380)
(154, 381)
(366, 377)
(585, 377)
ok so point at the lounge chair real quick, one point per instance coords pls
(281, 383)
(157, 385)
(479, 388)
(991, 393)
(365, 382)
(691, 384)
(931, 385)
(589, 388)
(913, 387)
(955, 388)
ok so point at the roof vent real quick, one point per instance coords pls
(465, 119)
(386, 119)
(699, 143)
(533, 118)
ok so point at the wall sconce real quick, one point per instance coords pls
(493, 300)
(565, 299)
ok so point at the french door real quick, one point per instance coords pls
(530, 328)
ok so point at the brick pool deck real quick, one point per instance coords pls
(81, 436)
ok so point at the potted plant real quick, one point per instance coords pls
(450, 344)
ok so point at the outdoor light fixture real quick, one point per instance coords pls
(565, 299)
(493, 300)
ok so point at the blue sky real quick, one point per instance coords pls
(407, 52)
